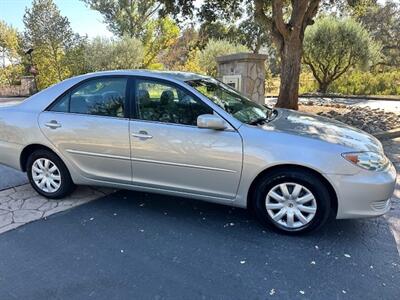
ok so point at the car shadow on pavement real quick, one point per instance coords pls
(139, 245)
(202, 214)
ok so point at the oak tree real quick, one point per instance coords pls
(285, 21)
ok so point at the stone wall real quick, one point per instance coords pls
(25, 89)
(251, 68)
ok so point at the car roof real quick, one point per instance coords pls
(175, 75)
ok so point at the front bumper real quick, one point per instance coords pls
(365, 194)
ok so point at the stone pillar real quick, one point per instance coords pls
(245, 72)
(25, 89)
(28, 86)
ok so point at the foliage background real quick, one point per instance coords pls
(148, 34)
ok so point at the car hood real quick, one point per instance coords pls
(324, 129)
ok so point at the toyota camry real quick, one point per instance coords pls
(190, 135)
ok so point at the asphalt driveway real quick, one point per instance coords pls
(10, 177)
(132, 245)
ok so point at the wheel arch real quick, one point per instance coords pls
(291, 167)
(28, 150)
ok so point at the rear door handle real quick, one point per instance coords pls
(53, 124)
(143, 135)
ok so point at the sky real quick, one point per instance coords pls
(83, 20)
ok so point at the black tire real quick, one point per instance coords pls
(303, 177)
(66, 184)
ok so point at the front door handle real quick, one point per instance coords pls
(143, 135)
(53, 124)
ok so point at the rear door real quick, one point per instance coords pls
(89, 125)
(170, 152)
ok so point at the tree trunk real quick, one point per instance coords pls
(258, 44)
(323, 87)
(288, 36)
(290, 73)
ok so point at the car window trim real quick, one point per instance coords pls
(132, 94)
(77, 85)
(87, 115)
(130, 100)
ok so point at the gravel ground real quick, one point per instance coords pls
(386, 105)
(365, 118)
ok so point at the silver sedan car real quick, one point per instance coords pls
(189, 135)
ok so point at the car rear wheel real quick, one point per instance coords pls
(291, 201)
(48, 175)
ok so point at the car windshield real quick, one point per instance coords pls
(231, 101)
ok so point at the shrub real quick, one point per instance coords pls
(106, 54)
(368, 83)
(357, 83)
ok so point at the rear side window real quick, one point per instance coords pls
(61, 105)
(102, 97)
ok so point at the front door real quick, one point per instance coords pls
(89, 126)
(170, 152)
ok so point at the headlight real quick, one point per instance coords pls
(367, 160)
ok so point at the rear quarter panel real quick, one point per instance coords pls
(19, 124)
(17, 129)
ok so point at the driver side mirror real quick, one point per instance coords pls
(211, 122)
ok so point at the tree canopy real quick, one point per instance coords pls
(160, 35)
(103, 54)
(188, 35)
(50, 35)
(10, 49)
(332, 47)
(383, 22)
(126, 17)
(10, 41)
(139, 19)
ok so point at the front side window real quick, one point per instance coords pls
(166, 103)
(103, 97)
(231, 101)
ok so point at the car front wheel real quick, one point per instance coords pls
(48, 175)
(292, 201)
